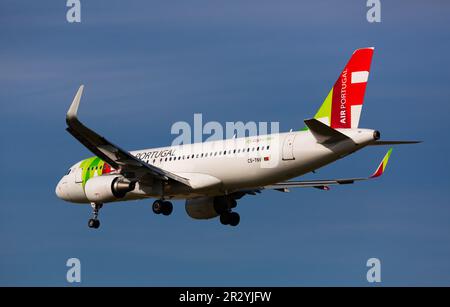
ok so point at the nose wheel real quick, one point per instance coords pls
(162, 206)
(94, 221)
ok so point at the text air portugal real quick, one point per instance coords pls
(349, 92)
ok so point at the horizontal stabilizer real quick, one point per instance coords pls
(324, 133)
(381, 143)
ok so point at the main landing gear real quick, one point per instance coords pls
(230, 218)
(223, 206)
(94, 222)
(162, 206)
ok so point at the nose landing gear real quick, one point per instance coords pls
(94, 221)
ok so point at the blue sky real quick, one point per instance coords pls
(148, 64)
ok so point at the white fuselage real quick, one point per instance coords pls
(225, 166)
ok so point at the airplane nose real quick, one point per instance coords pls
(60, 191)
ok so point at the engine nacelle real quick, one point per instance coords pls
(208, 207)
(201, 208)
(107, 188)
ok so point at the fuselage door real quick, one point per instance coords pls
(78, 173)
(288, 147)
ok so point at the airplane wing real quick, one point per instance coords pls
(324, 184)
(127, 164)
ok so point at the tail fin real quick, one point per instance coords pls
(342, 107)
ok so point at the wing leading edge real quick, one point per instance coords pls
(120, 159)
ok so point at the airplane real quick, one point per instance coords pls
(211, 176)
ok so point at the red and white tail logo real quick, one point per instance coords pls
(342, 107)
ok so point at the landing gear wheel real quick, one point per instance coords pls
(162, 206)
(93, 223)
(234, 219)
(230, 218)
(157, 206)
(167, 208)
(225, 218)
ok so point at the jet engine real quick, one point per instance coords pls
(208, 207)
(103, 189)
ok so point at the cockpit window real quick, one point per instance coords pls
(68, 172)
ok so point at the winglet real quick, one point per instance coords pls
(72, 113)
(382, 166)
